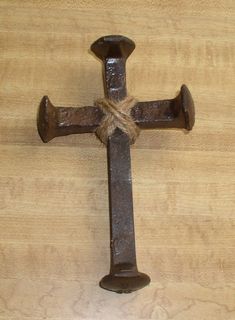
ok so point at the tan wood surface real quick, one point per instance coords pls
(54, 231)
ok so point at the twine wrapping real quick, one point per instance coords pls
(117, 115)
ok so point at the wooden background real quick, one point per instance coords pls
(54, 232)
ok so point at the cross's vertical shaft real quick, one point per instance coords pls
(124, 275)
(119, 174)
(121, 203)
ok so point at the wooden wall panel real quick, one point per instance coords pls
(54, 229)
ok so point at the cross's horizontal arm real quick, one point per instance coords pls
(172, 113)
(61, 121)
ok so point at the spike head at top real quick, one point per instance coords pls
(113, 46)
(113, 50)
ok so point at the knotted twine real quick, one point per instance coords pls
(117, 115)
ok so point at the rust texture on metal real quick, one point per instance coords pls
(124, 276)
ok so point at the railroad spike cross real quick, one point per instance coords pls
(114, 50)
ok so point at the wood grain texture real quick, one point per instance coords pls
(54, 229)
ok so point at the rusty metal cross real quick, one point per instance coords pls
(59, 121)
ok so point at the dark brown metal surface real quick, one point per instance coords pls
(124, 275)
(58, 121)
